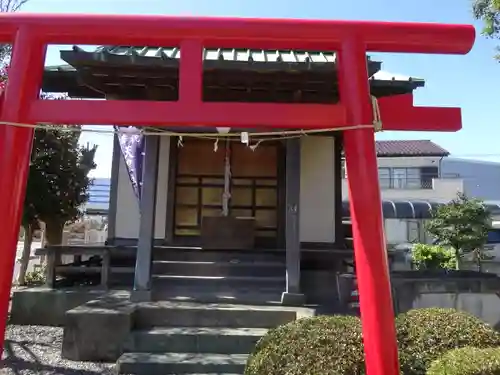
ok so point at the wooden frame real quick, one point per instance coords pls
(261, 242)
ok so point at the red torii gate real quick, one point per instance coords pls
(30, 33)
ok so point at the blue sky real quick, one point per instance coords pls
(471, 82)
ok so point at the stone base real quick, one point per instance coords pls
(98, 330)
(47, 307)
(293, 299)
(139, 296)
(319, 286)
(227, 233)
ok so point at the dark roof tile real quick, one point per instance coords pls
(409, 148)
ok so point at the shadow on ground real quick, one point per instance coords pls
(32, 363)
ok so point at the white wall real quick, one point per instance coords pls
(483, 305)
(407, 162)
(317, 188)
(443, 190)
(396, 231)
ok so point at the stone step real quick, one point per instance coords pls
(231, 282)
(184, 314)
(200, 255)
(195, 340)
(242, 296)
(180, 363)
(220, 268)
(349, 242)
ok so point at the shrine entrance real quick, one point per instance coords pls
(350, 110)
(254, 187)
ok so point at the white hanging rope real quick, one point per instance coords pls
(226, 195)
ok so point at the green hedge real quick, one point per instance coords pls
(326, 345)
(467, 361)
(332, 345)
(426, 334)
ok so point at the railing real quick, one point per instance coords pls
(421, 183)
(406, 183)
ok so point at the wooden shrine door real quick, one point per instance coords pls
(254, 187)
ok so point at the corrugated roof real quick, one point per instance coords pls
(409, 148)
(249, 56)
(400, 209)
(412, 209)
(226, 54)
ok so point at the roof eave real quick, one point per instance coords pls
(413, 155)
(77, 56)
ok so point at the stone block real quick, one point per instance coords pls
(319, 286)
(98, 330)
(293, 299)
(47, 307)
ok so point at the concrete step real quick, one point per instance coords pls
(195, 340)
(185, 314)
(230, 282)
(221, 268)
(200, 255)
(242, 296)
(180, 363)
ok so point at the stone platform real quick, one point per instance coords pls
(169, 337)
(47, 307)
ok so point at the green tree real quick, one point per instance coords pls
(488, 11)
(58, 180)
(462, 225)
(58, 184)
(29, 224)
(57, 187)
(59, 176)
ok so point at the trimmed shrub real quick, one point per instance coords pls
(433, 257)
(326, 345)
(467, 361)
(426, 334)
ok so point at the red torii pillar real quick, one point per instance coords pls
(351, 40)
(15, 150)
(366, 214)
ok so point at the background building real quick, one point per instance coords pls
(416, 175)
(98, 202)
(412, 170)
(481, 179)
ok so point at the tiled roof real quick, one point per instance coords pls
(409, 148)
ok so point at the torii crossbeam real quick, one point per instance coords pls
(30, 34)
